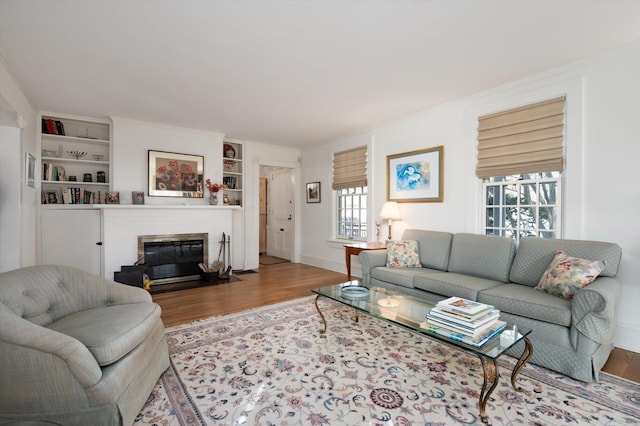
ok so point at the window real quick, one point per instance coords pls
(520, 159)
(350, 186)
(523, 205)
(352, 213)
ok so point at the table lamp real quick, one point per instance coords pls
(390, 211)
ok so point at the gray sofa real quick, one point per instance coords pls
(75, 348)
(572, 337)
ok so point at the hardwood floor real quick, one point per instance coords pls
(287, 281)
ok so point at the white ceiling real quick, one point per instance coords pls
(291, 72)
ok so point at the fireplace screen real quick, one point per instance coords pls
(173, 257)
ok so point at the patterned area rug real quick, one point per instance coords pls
(272, 367)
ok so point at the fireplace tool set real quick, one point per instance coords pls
(219, 265)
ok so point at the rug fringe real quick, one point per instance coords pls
(214, 318)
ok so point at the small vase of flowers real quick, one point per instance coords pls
(213, 189)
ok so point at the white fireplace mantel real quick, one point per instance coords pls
(123, 223)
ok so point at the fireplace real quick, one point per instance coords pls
(173, 257)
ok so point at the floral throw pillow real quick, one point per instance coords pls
(403, 254)
(566, 275)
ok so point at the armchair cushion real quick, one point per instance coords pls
(110, 332)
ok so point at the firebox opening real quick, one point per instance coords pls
(173, 257)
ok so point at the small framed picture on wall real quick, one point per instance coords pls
(313, 192)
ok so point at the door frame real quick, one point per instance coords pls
(255, 213)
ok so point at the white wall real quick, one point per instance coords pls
(9, 198)
(601, 199)
(14, 99)
(132, 140)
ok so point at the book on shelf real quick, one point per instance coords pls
(494, 330)
(52, 127)
(462, 320)
(468, 308)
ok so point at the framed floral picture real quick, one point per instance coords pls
(416, 176)
(175, 175)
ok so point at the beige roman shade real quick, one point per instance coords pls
(350, 168)
(522, 140)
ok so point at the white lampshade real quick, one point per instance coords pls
(390, 210)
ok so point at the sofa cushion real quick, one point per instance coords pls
(568, 274)
(535, 254)
(403, 254)
(399, 276)
(486, 256)
(435, 247)
(453, 284)
(527, 302)
(110, 332)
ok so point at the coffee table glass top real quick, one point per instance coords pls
(408, 311)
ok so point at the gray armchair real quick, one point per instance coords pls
(75, 348)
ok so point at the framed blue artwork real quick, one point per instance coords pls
(416, 176)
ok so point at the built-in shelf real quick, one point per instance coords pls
(79, 147)
(232, 172)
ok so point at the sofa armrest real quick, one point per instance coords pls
(593, 309)
(46, 348)
(370, 259)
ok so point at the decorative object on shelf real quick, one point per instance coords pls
(49, 153)
(137, 197)
(225, 200)
(98, 157)
(100, 177)
(77, 154)
(175, 175)
(229, 151)
(52, 197)
(87, 177)
(113, 197)
(73, 179)
(313, 192)
(229, 166)
(213, 189)
(30, 169)
(416, 176)
(391, 212)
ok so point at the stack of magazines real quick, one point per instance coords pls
(470, 322)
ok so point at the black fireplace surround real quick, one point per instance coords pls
(172, 257)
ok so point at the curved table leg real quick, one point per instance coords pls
(324, 321)
(491, 376)
(522, 361)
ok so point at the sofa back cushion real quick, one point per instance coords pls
(434, 247)
(534, 256)
(485, 256)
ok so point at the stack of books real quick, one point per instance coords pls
(470, 322)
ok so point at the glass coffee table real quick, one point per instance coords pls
(409, 311)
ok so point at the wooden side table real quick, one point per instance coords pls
(355, 248)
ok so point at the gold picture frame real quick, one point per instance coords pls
(416, 176)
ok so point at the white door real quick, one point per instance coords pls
(72, 238)
(280, 214)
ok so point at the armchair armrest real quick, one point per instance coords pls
(370, 259)
(594, 307)
(22, 334)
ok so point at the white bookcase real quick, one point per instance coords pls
(77, 148)
(232, 172)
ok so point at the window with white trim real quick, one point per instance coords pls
(523, 205)
(520, 162)
(352, 213)
(350, 186)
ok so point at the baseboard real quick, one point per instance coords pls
(627, 336)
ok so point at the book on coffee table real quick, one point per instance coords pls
(467, 308)
(492, 331)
